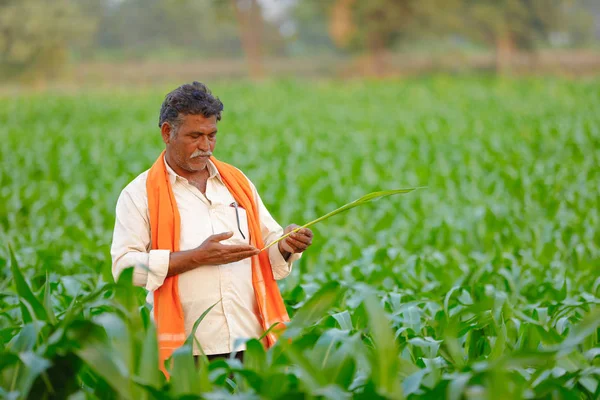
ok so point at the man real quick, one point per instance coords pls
(193, 227)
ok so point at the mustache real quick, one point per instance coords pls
(199, 153)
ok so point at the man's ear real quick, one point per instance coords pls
(165, 131)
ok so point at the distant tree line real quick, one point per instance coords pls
(39, 37)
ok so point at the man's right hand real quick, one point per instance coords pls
(212, 251)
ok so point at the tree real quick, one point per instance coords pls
(374, 26)
(508, 25)
(164, 28)
(250, 23)
(35, 36)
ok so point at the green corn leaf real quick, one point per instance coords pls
(589, 324)
(344, 319)
(9, 370)
(32, 365)
(265, 333)
(334, 353)
(120, 339)
(48, 302)
(457, 385)
(151, 391)
(363, 200)
(102, 359)
(255, 358)
(386, 366)
(190, 339)
(310, 374)
(501, 338)
(24, 290)
(315, 308)
(25, 340)
(148, 372)
(184, 377)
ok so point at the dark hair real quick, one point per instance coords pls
(192, 98)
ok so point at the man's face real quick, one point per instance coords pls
(193, 143)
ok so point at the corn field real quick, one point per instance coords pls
(483, 285)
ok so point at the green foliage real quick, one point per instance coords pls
(522, 22)
(151, 28)
(484, 285)
(378, 26)
(36, 36)
(375, 25)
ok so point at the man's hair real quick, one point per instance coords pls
(189, 99)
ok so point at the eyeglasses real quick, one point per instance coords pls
(237, 217)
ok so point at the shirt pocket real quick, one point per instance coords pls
(241, 234)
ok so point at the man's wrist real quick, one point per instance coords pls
(285, 254)
(198, 257)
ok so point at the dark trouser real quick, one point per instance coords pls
(239, 355)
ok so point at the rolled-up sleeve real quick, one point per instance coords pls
(131, 243)
(281, 268)
(271, 231)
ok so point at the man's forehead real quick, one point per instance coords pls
(200, 120)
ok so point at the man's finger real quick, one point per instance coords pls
(301, 238)
(307, 232)
(243, 255)
(296, 245)
(304, 231)
(240, 248)
(291, 227)
(221, 236)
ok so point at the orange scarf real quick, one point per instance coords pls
(165, 230)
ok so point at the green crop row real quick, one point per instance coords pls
(484, 285)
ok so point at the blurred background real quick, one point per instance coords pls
(115, 42)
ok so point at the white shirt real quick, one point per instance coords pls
(235, 317)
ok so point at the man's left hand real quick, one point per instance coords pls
(297, 242)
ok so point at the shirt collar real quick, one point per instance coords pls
(173, 176)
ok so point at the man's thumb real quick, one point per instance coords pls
(221, 236)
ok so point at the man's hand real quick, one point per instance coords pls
(212, 251)
(297, 242)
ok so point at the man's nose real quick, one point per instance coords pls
(203, 143)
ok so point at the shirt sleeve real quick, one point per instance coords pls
(271, 231)
(131, 244)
